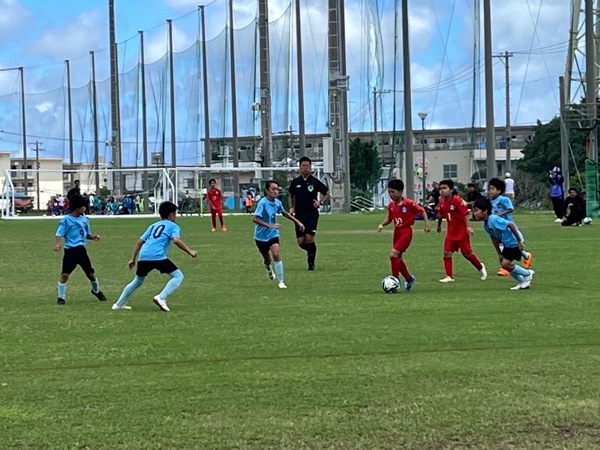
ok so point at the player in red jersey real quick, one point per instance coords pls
(402, 212)
(458, 232)
(215, 196)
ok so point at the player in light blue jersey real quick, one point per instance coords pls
(74, 228)
(502, 206)
(503, 232)
(152, 248)
(266, 231)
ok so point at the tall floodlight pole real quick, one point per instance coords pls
(301, 120)
(423, 116)
(338, 107)
(24, 130)
(490, 160)
(265, 85)
(408, 132)
(115, 109)
(236, 174)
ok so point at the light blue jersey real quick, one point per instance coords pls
(157, 240)
(501, 204)
(74, 230)
(267, 210)
(497, 227)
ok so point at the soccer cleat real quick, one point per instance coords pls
(447, 279)
(409, 283)
(527, 281)
(517, 287)
(483, 273)
(224, 228)
(527, 261)
(213, 229)
(282, 285)
(558, 220)
(312, 267)
(271, 275)
(116, 307)
(60, 301)
(99, 295)
(503, 272)
(162, 304)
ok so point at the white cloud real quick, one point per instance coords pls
(15, 19)
(75, 37)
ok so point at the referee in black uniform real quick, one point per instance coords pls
(304, 204)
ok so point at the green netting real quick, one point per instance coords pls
(591, 187)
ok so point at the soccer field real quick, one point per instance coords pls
(330, 362)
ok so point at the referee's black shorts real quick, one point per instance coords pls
(310, 220)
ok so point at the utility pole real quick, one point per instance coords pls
(115, 109)
(37, 151)
(375, 92)
(490, 158)
(506, 56)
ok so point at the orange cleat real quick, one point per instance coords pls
(213, 229)
(527, 261)
(503, 272)
(224, 228)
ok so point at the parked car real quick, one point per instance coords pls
(22, 203)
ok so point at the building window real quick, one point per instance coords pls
(441, 140)
(450, 171)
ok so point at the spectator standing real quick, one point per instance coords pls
(75, 190)
(510, 186)
(249, 203)
(557, 193)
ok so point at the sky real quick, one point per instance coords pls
(41, 35)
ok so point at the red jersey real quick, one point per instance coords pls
(403, 214)
(455, 212)
(214, 196)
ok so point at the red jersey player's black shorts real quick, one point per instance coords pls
(162, 265)
(76, 256)
(265, 246)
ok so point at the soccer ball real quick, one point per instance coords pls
(390, 284)
(587, 220)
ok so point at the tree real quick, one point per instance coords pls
(365, 165)
(542, 153)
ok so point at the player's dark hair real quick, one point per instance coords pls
(572, 189)
(166, 208)
(483, 204)
(498, 184)
(304, 159)
(447, 182)
(211, 180)
(396, 184)
(471, 185)
(76, 201)
(268, 184)
(76, 181)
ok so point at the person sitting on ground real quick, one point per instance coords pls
(574, 209)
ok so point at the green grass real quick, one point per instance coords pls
(331, 362)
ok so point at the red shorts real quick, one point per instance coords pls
(402, 239)
(454, 245)
(214, 210)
